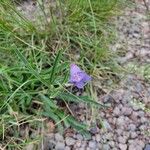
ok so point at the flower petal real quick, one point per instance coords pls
(78, 77)
(74, 69)
(87, 78)
(79, 85)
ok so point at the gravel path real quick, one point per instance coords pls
(127, 122)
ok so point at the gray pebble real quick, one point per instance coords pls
(123, 146)
(132, 147)
(98, 137)
(79, 137)
(122, 139)
(81, 148)
(141, 114)
(107, 99)
(92, 144)
(114, 148)
(142, 127)
(67, 148)
(109, 136)
(107, 125)
(147, 147)
(70, 141)
(135, 107)
(132, 127)
(116, 111)
(60, 146)
(140, 143)
(49, 144)
(59, 137)
(94, 130)
(119, 131)
(106, 147)
(112, 144)
(134, 116)
(84, 144)
(78, 143)
(133, 135)
(127, 111)
(120, 121)
(143, 120)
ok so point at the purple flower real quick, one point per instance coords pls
(78, 77)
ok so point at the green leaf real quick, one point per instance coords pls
(54, 68)
(48, 102)
(73, 98)
(28, 65)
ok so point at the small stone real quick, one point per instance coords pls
(132, 127)
(94, 130)
(49, 143)
(119, 131)
(121, 139)
(107, 125)
(67, 148)
(141, 143)
(120, 121)
(81, 148)
(107, 99)
(141, 114)
(109, 136)
(98, 137)
(132, 147)
(114, 148)
(112, 144)
(131, 142)
(142, 127)
(70, 141)
(78, 143)
(133, 135)
(59, 137)
(60, 146)
(135, 107)
(116, 111)
(99, 145)
(123, 146)
(106, 147)
(143, 120)
(92, 144)
(147, 147)
(79, 137)
(127, 111)
(84, 144)
(134, 116)
(126, 134)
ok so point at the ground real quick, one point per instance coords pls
(125, 125)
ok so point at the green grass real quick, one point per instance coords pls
(35, 60)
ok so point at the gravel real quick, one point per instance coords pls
(60, 146)
(122, 139)
(92, 144)
(59, 137)
(106, 147)
(70, 141)
(123, 146)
